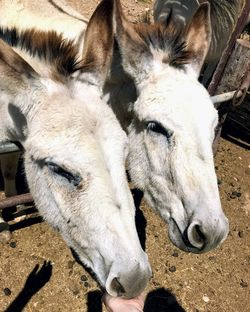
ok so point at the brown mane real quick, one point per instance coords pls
(48, 46)
(168, 38)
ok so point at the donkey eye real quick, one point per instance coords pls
(158, 128)
(69, 176)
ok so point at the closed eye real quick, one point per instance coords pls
(72, 178)
(159, 128)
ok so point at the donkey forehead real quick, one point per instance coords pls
(176, 98)
(65, 133)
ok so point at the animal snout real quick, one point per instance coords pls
(201, 237)
(194, 236)
(130, 282)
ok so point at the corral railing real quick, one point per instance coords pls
(8, 148)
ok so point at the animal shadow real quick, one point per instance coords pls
(94, 301)
(35, 281)
(161, 300)
(140, 220)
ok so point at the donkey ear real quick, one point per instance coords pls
(14, 62)
(134, 51)
(15, 74)
(110, 35)
(98, 40)
(198, 36)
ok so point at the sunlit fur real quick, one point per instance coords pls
(64, 122)
(149, 81)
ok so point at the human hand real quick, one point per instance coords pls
(118, 304)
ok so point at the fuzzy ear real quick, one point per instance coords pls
(109, 37)
(98, 40)
(14, 62)
(198, 36)
(131, 44)
(15, 75)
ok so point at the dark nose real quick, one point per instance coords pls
(117, 287)
(194, 236)
(130, 281)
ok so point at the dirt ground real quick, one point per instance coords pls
(212, 282)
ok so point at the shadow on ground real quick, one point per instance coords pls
(35, 281)
(140, 220)
(159, 300)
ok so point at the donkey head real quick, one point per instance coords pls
(172, 126)
(75, 165)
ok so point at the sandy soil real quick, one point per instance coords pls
(216, 281)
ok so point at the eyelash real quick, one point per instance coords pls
(70, 177)
(158, 128)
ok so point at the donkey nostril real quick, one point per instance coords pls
(117, 287)
(195, 236)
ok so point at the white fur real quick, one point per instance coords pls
(69, 125)
(177, 177)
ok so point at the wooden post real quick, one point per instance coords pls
(236, 76)
(237, 68)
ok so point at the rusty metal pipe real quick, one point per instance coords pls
(8, 147)
(16, 200)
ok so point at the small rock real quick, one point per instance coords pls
(74, 288)
(76, 292)
(175, 254)
(241, 234)
(211, 258)
(205, 298)
(248, 259)
(86, 284)
(172, 269)
(219, 181)
(5, 237)
(84, 278)
(235, 194)
(13, 244)
(7, 291)
(243, 284)
(219, 271)
(247, 171)
(71, 264)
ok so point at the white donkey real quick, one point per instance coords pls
(152, 86)
(75, 154)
